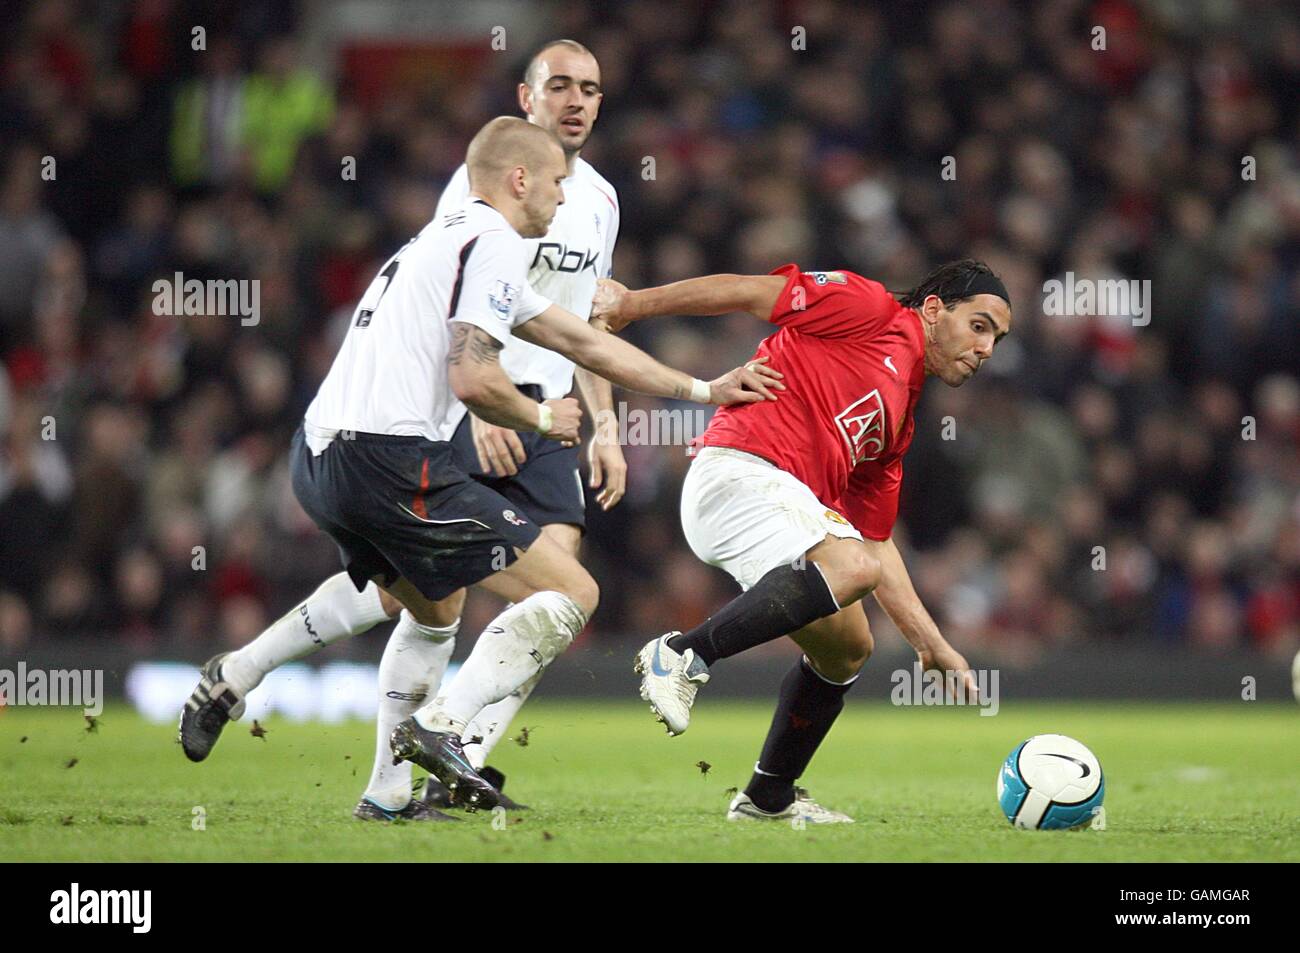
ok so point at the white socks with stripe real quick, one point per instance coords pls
(491, 723)
(515, 648)
(333, 612)
(413, 665)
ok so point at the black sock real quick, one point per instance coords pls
(806, 710)
(783, 601)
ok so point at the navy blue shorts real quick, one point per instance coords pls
(401, 507)
(547, 487)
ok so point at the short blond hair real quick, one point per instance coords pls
(506, 142)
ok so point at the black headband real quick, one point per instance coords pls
(986, 283)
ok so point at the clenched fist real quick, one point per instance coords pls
(611, 304)
(566, 420)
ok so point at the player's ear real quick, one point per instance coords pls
(525, 99)
(930, 308)
(515, 181)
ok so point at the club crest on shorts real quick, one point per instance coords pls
(511, 517)
(836, 518)
(501, 298)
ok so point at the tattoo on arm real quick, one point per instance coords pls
(459, 335)
(482, 347)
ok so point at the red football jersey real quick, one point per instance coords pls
(854, 362)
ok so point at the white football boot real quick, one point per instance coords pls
(803, 808)
(669, 681)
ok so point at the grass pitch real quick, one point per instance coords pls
(1183, 783)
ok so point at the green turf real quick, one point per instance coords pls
(1185, 782)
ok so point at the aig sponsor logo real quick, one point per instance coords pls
(862, 425)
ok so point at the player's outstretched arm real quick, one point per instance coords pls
(628, 366)
(897, 596)
(477, 380)
(711, 294)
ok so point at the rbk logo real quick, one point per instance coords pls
(862, 425)
(560, 257)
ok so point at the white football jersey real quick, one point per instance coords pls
(562, 267)
(390, 374)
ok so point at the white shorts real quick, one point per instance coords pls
(747, 516)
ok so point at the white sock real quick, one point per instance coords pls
(491, 723)
(414, 661)
(333, 612)
(518, 645)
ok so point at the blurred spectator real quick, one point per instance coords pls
(282, 105)
(207, 134)
(1104, 478)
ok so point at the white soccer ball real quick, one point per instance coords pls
(1295, 677)
(1050, 782)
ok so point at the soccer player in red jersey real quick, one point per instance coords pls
(796, 499)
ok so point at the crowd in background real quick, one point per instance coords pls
(1103, 480)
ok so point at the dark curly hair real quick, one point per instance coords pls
(951, 282)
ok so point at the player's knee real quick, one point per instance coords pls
(390, 605)
(855, 573)
(584, 591)
(567, 577)
(857, 650)
(438, 614)
(454, 605)
(845, 656)
(834, 663)
(867, 572)
(423, 614)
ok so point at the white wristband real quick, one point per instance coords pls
(700, 391)
(545, 419)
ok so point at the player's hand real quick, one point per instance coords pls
(608, 466)
(746, 385)
(959, 681)
(610, 305)
(566, 421)
(500, 451)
